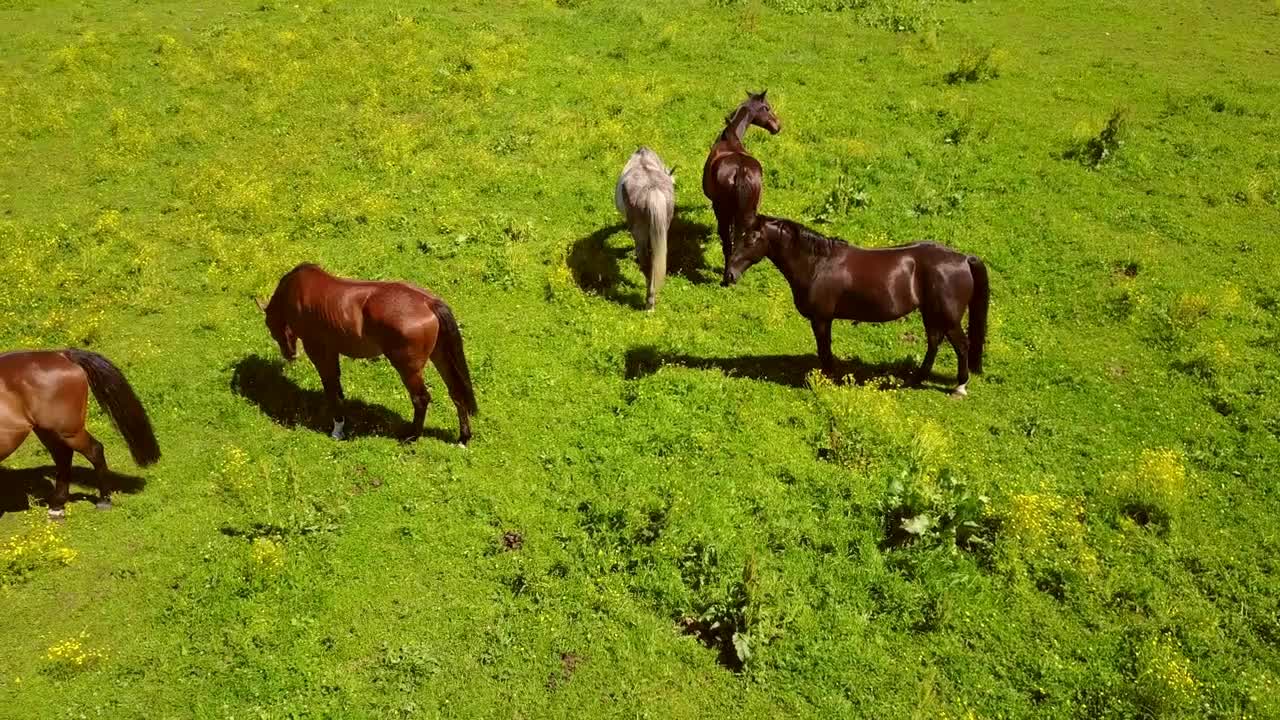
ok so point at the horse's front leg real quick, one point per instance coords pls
(330, 368)
(822, 334)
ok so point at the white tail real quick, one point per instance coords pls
(645, 195)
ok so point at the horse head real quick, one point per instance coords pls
(753, 248)
(280, 331)
(762, 113)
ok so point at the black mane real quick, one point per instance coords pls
(813, 241)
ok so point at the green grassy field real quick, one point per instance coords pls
(695, 525)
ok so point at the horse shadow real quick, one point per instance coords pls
(264, 383)
(596, 268)
(18, 486)
(789, 370)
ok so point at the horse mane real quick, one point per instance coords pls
(813, 241)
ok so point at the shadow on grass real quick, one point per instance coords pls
(789, 370)
(596, 268)
(18, 485)
(263, 383)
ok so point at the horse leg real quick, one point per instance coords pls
(724, 226)
(62, 456)
(961, 345)
(822, 334)
(88, 446)
(419, 394)
(934, 338)
(330, 369)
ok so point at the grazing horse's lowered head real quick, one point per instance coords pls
(280, 330)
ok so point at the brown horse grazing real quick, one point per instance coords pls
(48, 391)
(831, 279)
(731, 178)
(364, 319)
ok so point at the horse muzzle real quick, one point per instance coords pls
(730, 278)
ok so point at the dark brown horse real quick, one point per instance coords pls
(48, 391)
(731, 178)
(364, 319)
(831, 279)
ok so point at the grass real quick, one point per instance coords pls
(663, 514)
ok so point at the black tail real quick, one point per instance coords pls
(122, 405)
(978, 313)
(450, 360)
(745, 218)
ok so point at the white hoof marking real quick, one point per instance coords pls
(338, 425)
(960, 391)
(59, 514)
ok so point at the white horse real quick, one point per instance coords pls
(646, 197)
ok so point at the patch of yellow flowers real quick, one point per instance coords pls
(37, 545)
(72, 653)
(268, 555)
(1166, 675)
(1038, 520)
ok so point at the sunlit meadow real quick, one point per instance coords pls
(666, 514)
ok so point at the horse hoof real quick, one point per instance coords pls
(59, 515)
(960, 392)
(104, 504)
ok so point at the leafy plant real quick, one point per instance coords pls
(941, 511)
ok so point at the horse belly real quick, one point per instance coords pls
(875, 303)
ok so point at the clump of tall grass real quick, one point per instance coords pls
(894, 15)
(977, 65)
(1096, 150)
(1153, 493)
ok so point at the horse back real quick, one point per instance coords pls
(41, 388)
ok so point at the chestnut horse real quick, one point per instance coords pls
(48, 391)
(731, 178)
(335, 316)
(831, 279)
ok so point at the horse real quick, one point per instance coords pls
(335, 316)
(731, 178)
(48, 391)
(645, 196)
(831, 279)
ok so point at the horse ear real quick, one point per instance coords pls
(763, 93)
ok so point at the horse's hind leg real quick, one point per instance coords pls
(62, 456)
(724, 226)
(961, 345)
(934, 338)
(410, 370)
(88, 446)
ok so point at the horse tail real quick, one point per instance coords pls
(123, 407)
(659, 209)
(451, 361)
(978, 305)
(747, 190)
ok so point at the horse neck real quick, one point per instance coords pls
(738, 124)
(792, 259)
